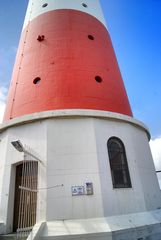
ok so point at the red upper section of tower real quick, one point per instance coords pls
(66, 60)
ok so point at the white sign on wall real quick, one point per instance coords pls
(77, 190)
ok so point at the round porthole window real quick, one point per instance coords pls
(98, 79)
(44, 5)
(90, 37)
(84, 5)
(36, 80)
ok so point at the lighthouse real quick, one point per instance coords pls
(74, 162)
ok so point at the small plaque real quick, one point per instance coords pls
(77, 190)
(89, 188)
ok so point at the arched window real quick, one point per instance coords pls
(118, 163)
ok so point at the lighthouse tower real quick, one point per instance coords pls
(74, 163)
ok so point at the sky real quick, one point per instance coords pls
(135, 30)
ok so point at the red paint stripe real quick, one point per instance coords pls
(67, 62)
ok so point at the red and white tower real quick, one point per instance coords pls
(74, 161)
(65, 61)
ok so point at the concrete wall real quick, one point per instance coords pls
(34, 139)
(73, 151)
(72, 161)
(144, 194)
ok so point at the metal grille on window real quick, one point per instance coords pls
(118, 163)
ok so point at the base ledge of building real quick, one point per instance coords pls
(2, 227)
(136, 226)
(73, 113)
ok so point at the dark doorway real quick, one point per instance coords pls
(25, 196)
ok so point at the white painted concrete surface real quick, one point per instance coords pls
(73, 113)
(73, 150)
(35, 8)
(144, 225)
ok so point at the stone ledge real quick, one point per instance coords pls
(136, 226)
(68, 113)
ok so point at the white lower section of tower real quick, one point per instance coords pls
(71, 149)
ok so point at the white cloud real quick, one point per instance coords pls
(155, 145)
(3, 92)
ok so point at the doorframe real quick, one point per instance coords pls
(11, 197)
(14, 188)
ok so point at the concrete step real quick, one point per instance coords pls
(12, 236)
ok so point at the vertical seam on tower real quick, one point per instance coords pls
(20, 64)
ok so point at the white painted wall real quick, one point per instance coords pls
(144, 194)
(3, 146)
(72, 161)
(34, 139)
(35, 8)
(74, 151)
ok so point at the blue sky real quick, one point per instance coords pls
(135, 29)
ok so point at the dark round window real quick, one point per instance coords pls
(44, 5)
(90, 37)
(36, 80)
(98, 79)
(84, 5)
